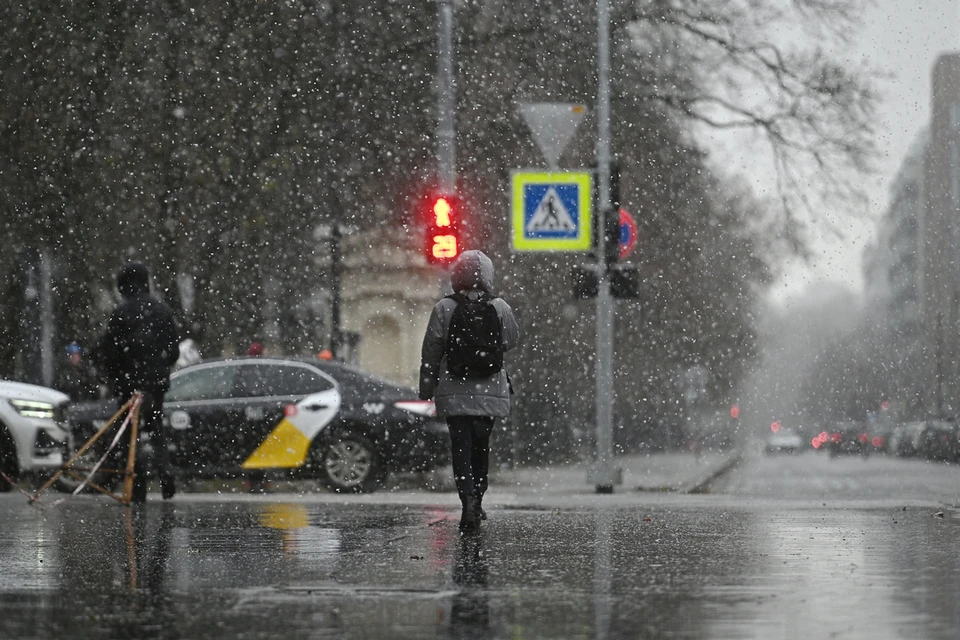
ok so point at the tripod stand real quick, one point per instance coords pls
(127, 416)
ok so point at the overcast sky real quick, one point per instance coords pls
(903, 39)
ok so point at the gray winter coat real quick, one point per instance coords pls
(472, 272)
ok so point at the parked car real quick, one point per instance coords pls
(906, 438)
(33, 435)
(784, 440)
(848, 438)
(309, 418)
(938, 441)
(880, 436)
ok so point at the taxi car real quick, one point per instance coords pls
(307, 418)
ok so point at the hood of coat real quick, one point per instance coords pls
(133, 280)
(472, 271)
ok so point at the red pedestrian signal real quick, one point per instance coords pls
(441, 212)
(442, 233)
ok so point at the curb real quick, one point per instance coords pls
(702, 485)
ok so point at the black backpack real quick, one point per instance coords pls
(475, 338)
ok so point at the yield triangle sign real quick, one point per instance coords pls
(551, 215)
(552, 125)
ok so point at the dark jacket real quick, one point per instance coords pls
(141, 341)
(472, 273)
(78, 382)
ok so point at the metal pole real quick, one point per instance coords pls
(604, 475)
(46, 319)
(446, 126)
(446, 114)
(335, 275)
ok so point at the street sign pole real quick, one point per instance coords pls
(603, 475)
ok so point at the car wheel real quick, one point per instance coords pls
(8, 460)
(350, 463)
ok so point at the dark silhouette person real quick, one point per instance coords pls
(471, 405)
(135, 353)
(76, 379)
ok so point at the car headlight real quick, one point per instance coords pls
(33, 409)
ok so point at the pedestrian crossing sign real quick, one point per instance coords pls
(552, 210)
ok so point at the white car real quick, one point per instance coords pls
(784, 441)
(33, 437)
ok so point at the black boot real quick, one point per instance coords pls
(139, 489)
(481, 514)
(167, 487)
(468, 517)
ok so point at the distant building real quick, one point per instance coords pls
(388, 294)
(894, 281)
(939, 227)
(913, 273)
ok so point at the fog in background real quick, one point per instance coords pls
(794, 339)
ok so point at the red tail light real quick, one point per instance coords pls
(878, 441)
(863, 438)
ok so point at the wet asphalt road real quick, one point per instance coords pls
(791, 547)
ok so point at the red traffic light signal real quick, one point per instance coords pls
(442, 233)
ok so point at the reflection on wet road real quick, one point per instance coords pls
(633, 566)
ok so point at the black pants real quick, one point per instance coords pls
(151, 421)
(470, 453)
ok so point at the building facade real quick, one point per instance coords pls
(388, 293)
(939, 247)
(913, 273)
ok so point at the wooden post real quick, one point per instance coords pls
(89, 443)
(132, 451)
(133, 405)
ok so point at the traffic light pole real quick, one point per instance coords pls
(446, 125)
(603, 474)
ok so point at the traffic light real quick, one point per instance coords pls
(611, 235)
(442, 233)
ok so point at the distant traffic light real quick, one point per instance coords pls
(442, 232)
(735, 412)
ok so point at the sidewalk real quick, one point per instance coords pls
(673, 472)
(680, 472)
